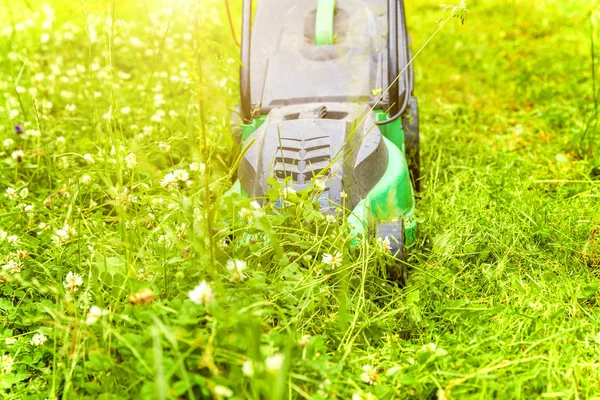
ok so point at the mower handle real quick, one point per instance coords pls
(395, 10)
(245, 101)
(392, 69)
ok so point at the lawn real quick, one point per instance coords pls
(128, 271)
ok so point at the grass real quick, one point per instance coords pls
(125, 172)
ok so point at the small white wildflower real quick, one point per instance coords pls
(330, 219)
(131, 160)
(333, 261)
(13, 240)
(38, 339)
(201, 294)
(6, 364)
(369, 375)
(18, 155)
(94, 314)
(274, 363)
(11, 193)
(70, 107)
(164, 240)
(60, 237)
(320, 185)
(8, 143)
(245, 213)
(248, 368)
(12, 267)
(169, 181)
(384, 244)
(60, 141)
(125, 110)
(164, 147)
(194, 166)
(181, 175)
(344, 195)
(24, 193)
(3, 235)
(86, 179)
(9, 341)
(237, 267)
(223, 391)
(89, 158)
(73, 281)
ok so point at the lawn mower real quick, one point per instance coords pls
(326, 91)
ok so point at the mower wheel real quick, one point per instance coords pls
(410, 126)
(394, 232)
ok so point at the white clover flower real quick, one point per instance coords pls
(3, 235)
(148, 130)
(384, 244)
(320, 185)
(245, 213)
(6, 364)
(12, 267)
(164, 240)
(70, 107)
(18, 155)
(201, 294)
(248, 368)
(369, 375)
(8, 143)
(24, 193)
(94, 314)
(20, 89)
(60, 237)
(125, 110)
(131, 160)
(169, 181)
(237, 267)
(73, 281)
(333, 261)
(164, 147)
(89, 158)
(60, 141)
(274, 363)
(38, 339)
(223, 391)
(86, 179)
(11, 193)
(13, 240)
(9, 341)
(181, 175)
(194, 166)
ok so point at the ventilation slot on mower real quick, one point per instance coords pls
(302, 159)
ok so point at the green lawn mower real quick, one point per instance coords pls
(322, 95)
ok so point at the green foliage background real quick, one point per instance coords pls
(503, 295)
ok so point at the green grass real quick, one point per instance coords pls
(503, 295)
